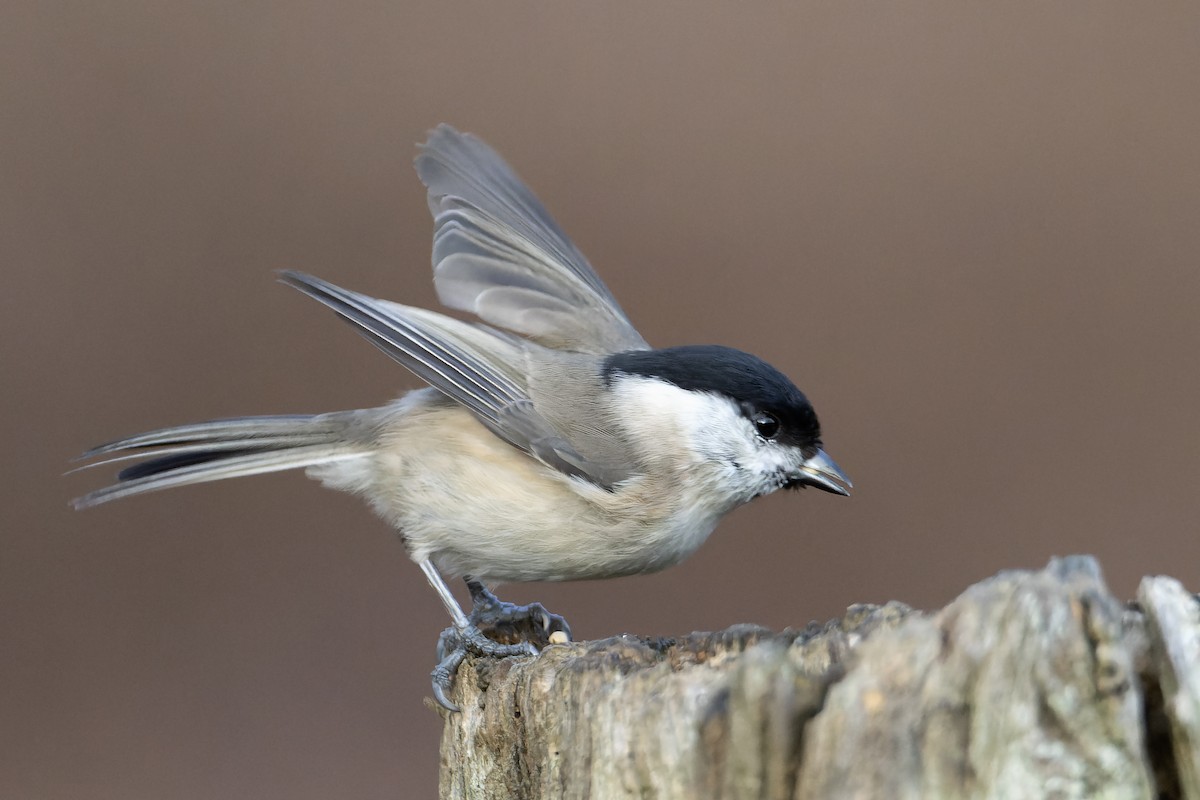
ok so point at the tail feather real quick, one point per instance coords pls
(211, 451)
(229, 432)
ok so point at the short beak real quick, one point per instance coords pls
(821, 472)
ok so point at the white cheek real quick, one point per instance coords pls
(703, 431)
(769, 458)
(668, 422)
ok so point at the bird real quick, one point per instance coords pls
(552, 442)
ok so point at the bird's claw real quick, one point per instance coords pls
(509, 622)
(443, 677)
(453, 648)
(515, 631)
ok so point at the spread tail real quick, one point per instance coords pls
(224, 448)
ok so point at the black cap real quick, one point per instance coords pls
(748, 380)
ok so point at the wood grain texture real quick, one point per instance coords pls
(1173, 626)
(1030, 684)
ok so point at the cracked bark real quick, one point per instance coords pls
(1030, 684)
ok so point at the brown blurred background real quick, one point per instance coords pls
(971, 234)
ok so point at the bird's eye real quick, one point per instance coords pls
(766, 424)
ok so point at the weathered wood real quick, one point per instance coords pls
(1173, 626)
(1030, 684)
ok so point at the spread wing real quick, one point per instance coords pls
(498, 254)
(481, 369)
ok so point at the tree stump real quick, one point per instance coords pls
(1030, 684)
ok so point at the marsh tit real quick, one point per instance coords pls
(552, 444)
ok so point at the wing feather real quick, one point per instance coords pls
(479, 368)
(491, 233)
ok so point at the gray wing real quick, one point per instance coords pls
(498, 254)
(475, 366)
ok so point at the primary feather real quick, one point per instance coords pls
(498, 253)
(483, 371)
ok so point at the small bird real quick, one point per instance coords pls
(552, 443)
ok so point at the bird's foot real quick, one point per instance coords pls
(510, 623)
(513, 630)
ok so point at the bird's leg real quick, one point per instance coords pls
(464, 635)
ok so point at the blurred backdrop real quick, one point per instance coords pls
(969, 233)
